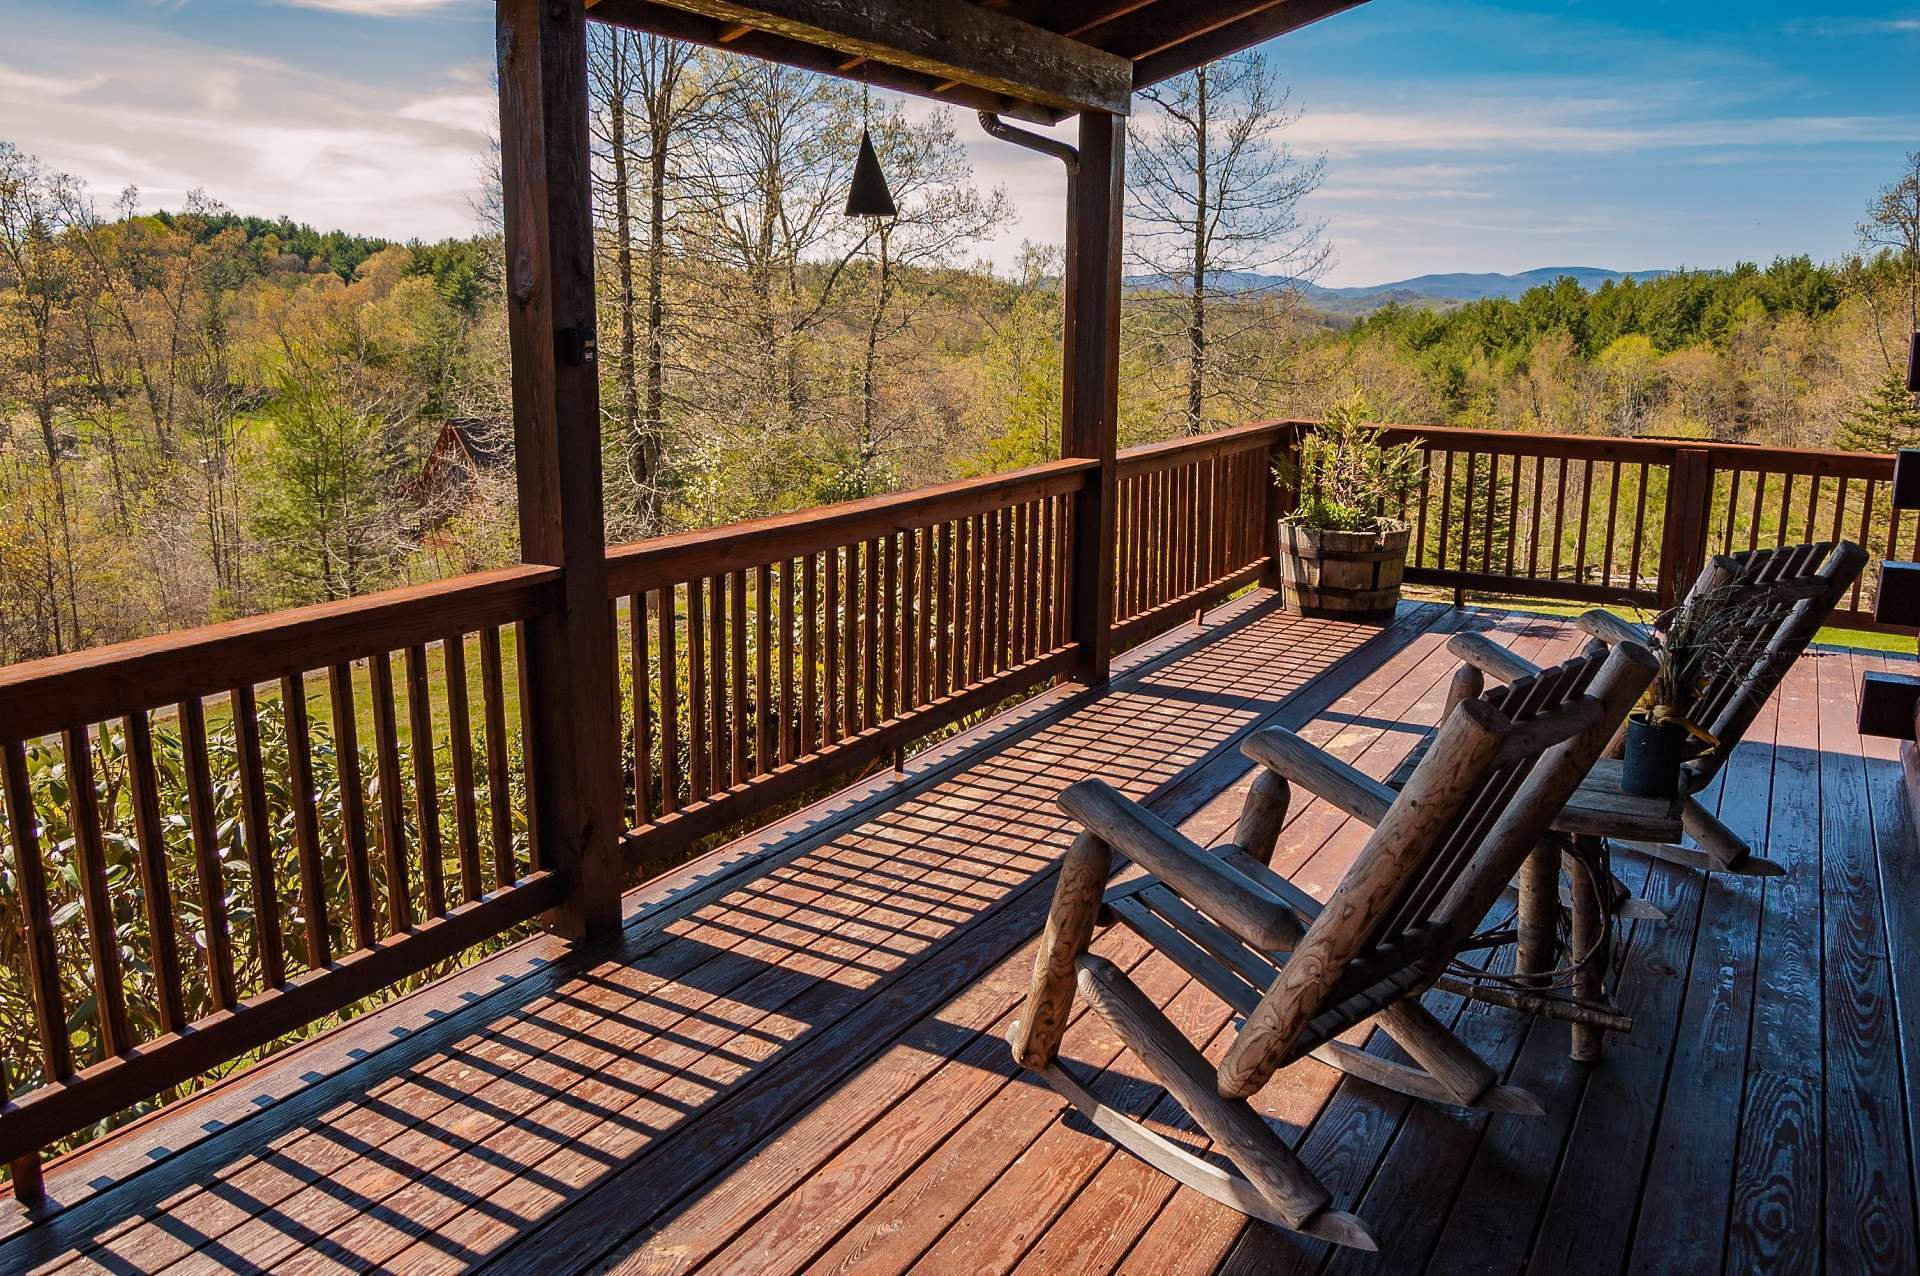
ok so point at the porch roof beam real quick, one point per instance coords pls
(991, 60)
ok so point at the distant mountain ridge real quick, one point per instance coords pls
(1449, 288)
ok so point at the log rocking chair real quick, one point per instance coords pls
(1301, 973)
(1784, 595)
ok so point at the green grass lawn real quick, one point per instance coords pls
(1831, 635)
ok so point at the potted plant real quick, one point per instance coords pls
(1690, 643)
(1342, 551)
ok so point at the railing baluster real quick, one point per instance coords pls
(830, 642)
(306, 822)
(499, 798)
(720, 738)
(1537, 501)
(1639, 526)
(639, 640)
(668, 631)
(204, 827)
(944, 627)
(466, 822)
(810, 725)
(90, 865)
(143, 776)
(741, 710)
(393, 821)
(1613, 514)
(1786, 500)
(530, 793)
(426, 780)
(889, 629)
(789, 729)
(697, 756)
(912, 620)
(36, 915)
(1559, 523)
(257, 828)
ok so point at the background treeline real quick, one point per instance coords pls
(205, 415)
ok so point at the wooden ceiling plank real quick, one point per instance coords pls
(944, 40)
(660, 19)
(1232, 38)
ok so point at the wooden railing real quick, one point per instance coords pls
(765, 658)
(1194, 521)
(220, 837)
(1630, 521)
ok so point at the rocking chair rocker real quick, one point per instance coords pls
(1299, 972)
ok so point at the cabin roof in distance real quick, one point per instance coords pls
(1037, 60)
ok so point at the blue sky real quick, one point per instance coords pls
(1459, 136)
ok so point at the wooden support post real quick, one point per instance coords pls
(1683, 542)
(1090, 379)
(567, 659)
(1276, 505)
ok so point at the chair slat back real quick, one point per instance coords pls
(1465, 819)
(1782, 597)
(1528, 699)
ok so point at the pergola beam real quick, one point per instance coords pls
(937, 41)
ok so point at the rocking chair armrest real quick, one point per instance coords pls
(1320, 773)
(1610, 629)
(1490, 658)
(1202, 878)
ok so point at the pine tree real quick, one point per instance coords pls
(1886, 419)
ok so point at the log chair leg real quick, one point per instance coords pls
(1539, 915)
(1298, 1198)
(1076, 906)
(1450, 1061)
(1265, 810)
(1589, 940)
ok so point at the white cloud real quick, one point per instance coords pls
(374, 8)
(15, 81)
(259, 134)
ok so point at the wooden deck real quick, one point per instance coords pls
(793, 1060)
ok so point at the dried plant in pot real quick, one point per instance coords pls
(1692, 643)
(1342, 551)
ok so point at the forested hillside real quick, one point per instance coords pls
(205, 415)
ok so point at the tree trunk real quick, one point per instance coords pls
(627, 387)
(1197, 308)
(653, 425)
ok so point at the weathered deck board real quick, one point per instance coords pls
(799, 1065)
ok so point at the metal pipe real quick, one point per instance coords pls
(1005, 132)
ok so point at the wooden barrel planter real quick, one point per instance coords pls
(1342, 575)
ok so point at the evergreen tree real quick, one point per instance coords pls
(1886, 419)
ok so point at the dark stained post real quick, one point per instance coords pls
(1683, 538)
(568, 655)
(1091, 375)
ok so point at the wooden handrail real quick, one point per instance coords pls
(1153, 456)
(40, 697)
(710, 551)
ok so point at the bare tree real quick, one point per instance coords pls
(1215, 196)
(941, 213)
(36, 293)
(1893, 227)
(653, 101)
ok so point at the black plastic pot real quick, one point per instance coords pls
(1651, 767)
